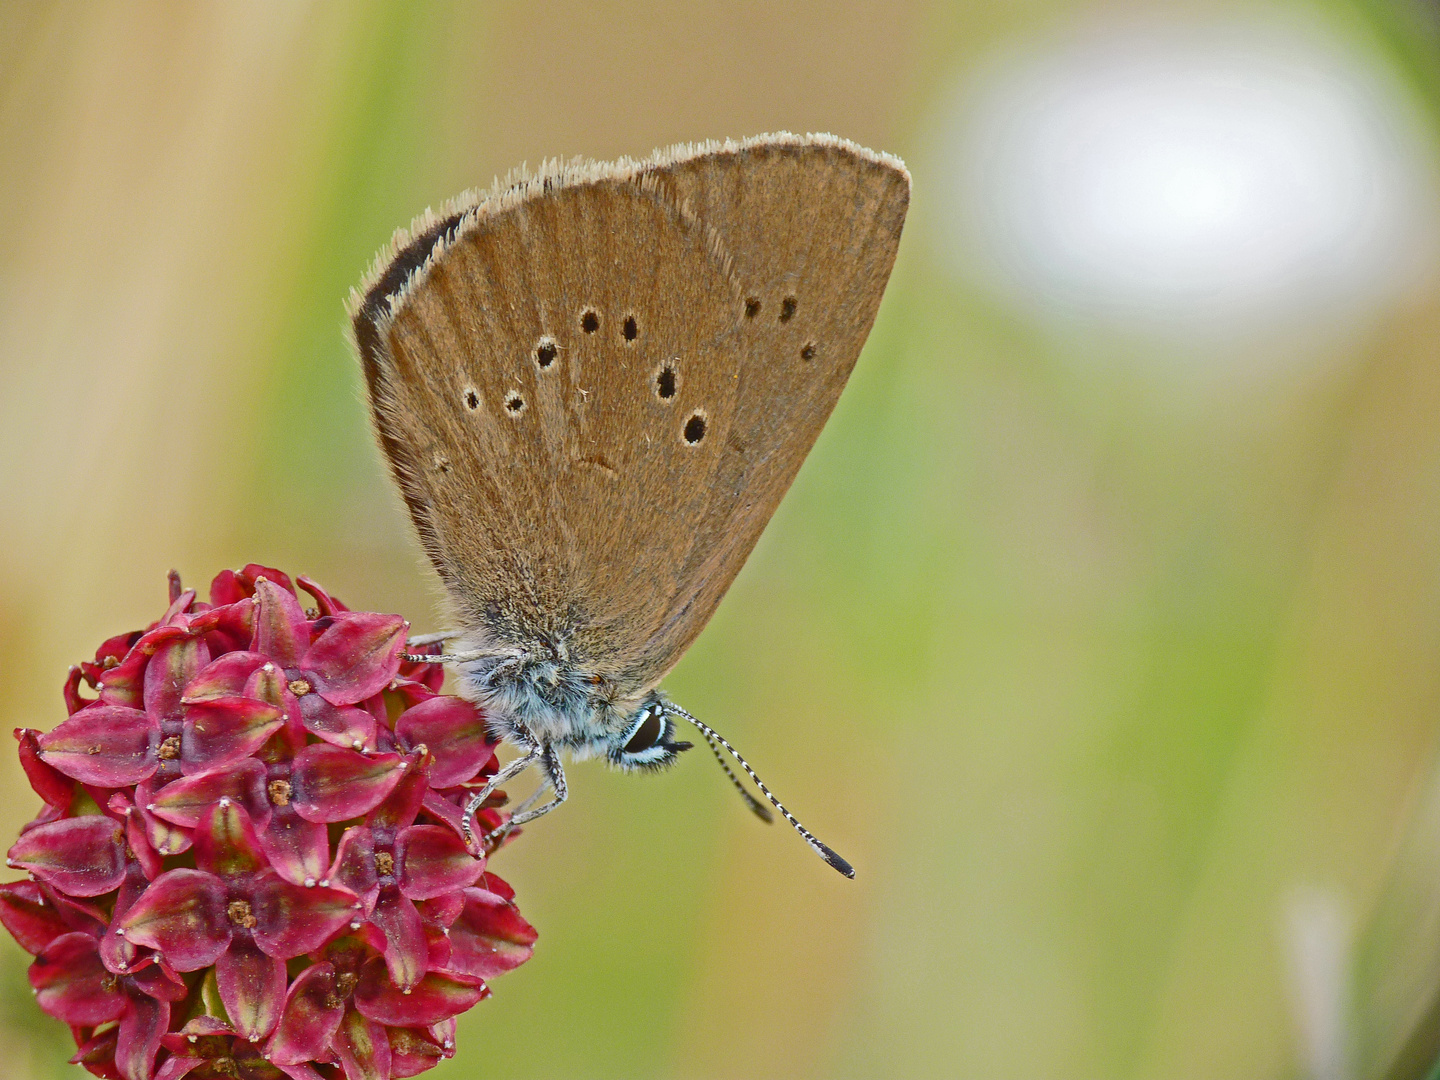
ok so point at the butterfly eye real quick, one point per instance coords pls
(647, 734)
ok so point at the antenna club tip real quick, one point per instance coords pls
(832, 857)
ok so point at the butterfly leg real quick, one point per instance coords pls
(431, 639)
(442, 658)
(421, 640)
(555, 778)
(509, 772)
(531, 799)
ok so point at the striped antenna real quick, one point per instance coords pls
(758, 808)
(712, 736)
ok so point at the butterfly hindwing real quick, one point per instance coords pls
(595, 387)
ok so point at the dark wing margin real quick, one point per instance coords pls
(375, 307)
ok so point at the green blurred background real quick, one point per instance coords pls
(1100, 631)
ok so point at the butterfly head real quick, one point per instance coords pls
(648, 741)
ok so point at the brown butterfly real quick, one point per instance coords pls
(594, 385)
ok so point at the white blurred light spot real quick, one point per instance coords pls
(1318, 950)
(1216, 177)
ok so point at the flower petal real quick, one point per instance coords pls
(251, 573)
(414, 1050)
(356, 657)
(81, 856)
(405, 692)
(226, 588)
(181, 914)
(225, 841)
(496, 884)
(105, 745)
(252, 988)
(454, 732)
(97, 1054)
(116, 952)
(442, 809)
(137, 835)
(186, 1041)
(227, 628)
(114, 649)
(281, 631)
(442, 910)
(348, 952)
(49, 783)
(73, 701)
(340, 725)
(434, 861)
(407, 954)
(31, 919)
(267, 683)
(354, 865)
(145, 1020)
(331, 783)
(292, 919)
(327, 604)
(311, 1015)
(181, 599)
(177, 1067)
(363, 1048)
(160, 982)
(224, 676)
(165, 838)
(489, 938)
(437, 947)
(437, 997)
(70, 982)
(221, 731)
(445, 1033)
(401, 806)
(80, 914)
(422, 677)
(124, 684)
(169, 672)
(183, 801)
(298, 850)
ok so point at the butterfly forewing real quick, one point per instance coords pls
(599, 386)
(811, 230)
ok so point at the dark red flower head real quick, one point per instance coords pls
(249, 861)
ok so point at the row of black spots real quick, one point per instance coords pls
(547, 350)
(787, 312)
(514, 402)
(590, 323)
(787, 307)
(667, 385)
